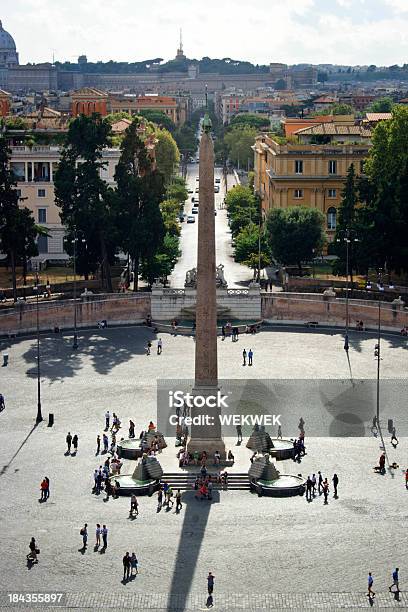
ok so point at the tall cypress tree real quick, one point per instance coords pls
(83, 196)
(139, 192)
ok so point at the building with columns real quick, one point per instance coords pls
(5, 104)
(89, 100)
(305, 174)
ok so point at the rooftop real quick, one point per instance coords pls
(334, 129)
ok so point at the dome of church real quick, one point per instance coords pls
(8, 53)
(6, 40)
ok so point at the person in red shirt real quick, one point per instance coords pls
(406, 478)
(43, 487)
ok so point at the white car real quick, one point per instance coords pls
(197, 178)
(218, 180)
(194, 210)
(190, 219)
(197, 190)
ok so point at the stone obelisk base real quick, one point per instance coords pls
(207, 437)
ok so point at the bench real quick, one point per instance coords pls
(312, 323)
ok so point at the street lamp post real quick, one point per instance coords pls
(377, 354)
(74, 242)
(347, 239)
(39, 413)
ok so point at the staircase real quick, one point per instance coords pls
(185, 481)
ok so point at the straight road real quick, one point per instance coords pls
(236, 275)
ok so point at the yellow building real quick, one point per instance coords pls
(306, 174)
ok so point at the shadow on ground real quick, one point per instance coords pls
(105, 349)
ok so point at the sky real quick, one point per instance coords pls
(356, 32)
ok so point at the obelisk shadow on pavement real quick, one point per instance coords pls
(196, 517)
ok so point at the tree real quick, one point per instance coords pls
(294, 234)
(239, 142)
(177, 190)
(386, 196)
(186, 140)
(167, 154)
(159, 118)
(18, 232)
(139, 191)
(163, 262)
(382, 105)
(347, 227)
(243, 208)
(247, 248)
(83, 196)
(250, 119)
(337, 109)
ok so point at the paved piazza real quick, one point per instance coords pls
(290, 553)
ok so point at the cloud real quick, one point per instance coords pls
(270, 30)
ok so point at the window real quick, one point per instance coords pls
(18, 169)
(41, 172)
(298, 166)
(41, 193)
(42, 215)
(332, 193)
(362, 162)
(298, 193)
(331, 218)
(42, 244)
(332, 166)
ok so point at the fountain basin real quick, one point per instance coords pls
(284, 486)
(282, 449)
(129, 449)
(129, 485)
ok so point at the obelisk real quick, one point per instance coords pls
(206, 437)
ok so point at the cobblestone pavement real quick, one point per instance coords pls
(228, 603)
(305, 555)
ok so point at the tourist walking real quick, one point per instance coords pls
(98, 444)
(84, 533)
(98, 535)
(68, 440)
(210, 583)
(75, 443)
(319, 482)
(159, 499)
(250, 355)
(2, 403)
(131, 429)
(178, 501)
(43, 487)
(406, 478)
(279, 432)
(32, 555)
(223, 332)
(104, 534)
(126, 567)
(239, 434)
(107, 420)
(309, 485)
(134, 505)
(395, 580)
(105, 443)
(244, 356)
(47, 488)
(335, 481)
(325, 487)
(149, 346)
(370, 582)
(159, 346)
(133, 563)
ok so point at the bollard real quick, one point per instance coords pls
(50, 419)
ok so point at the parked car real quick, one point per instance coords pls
(190, 190)
(192, 199)
(197, 190)
(190, 219)
(181, 218)
(218, 180)
(215, 212)
(194, 210)
(197, 178)
(216, 189)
